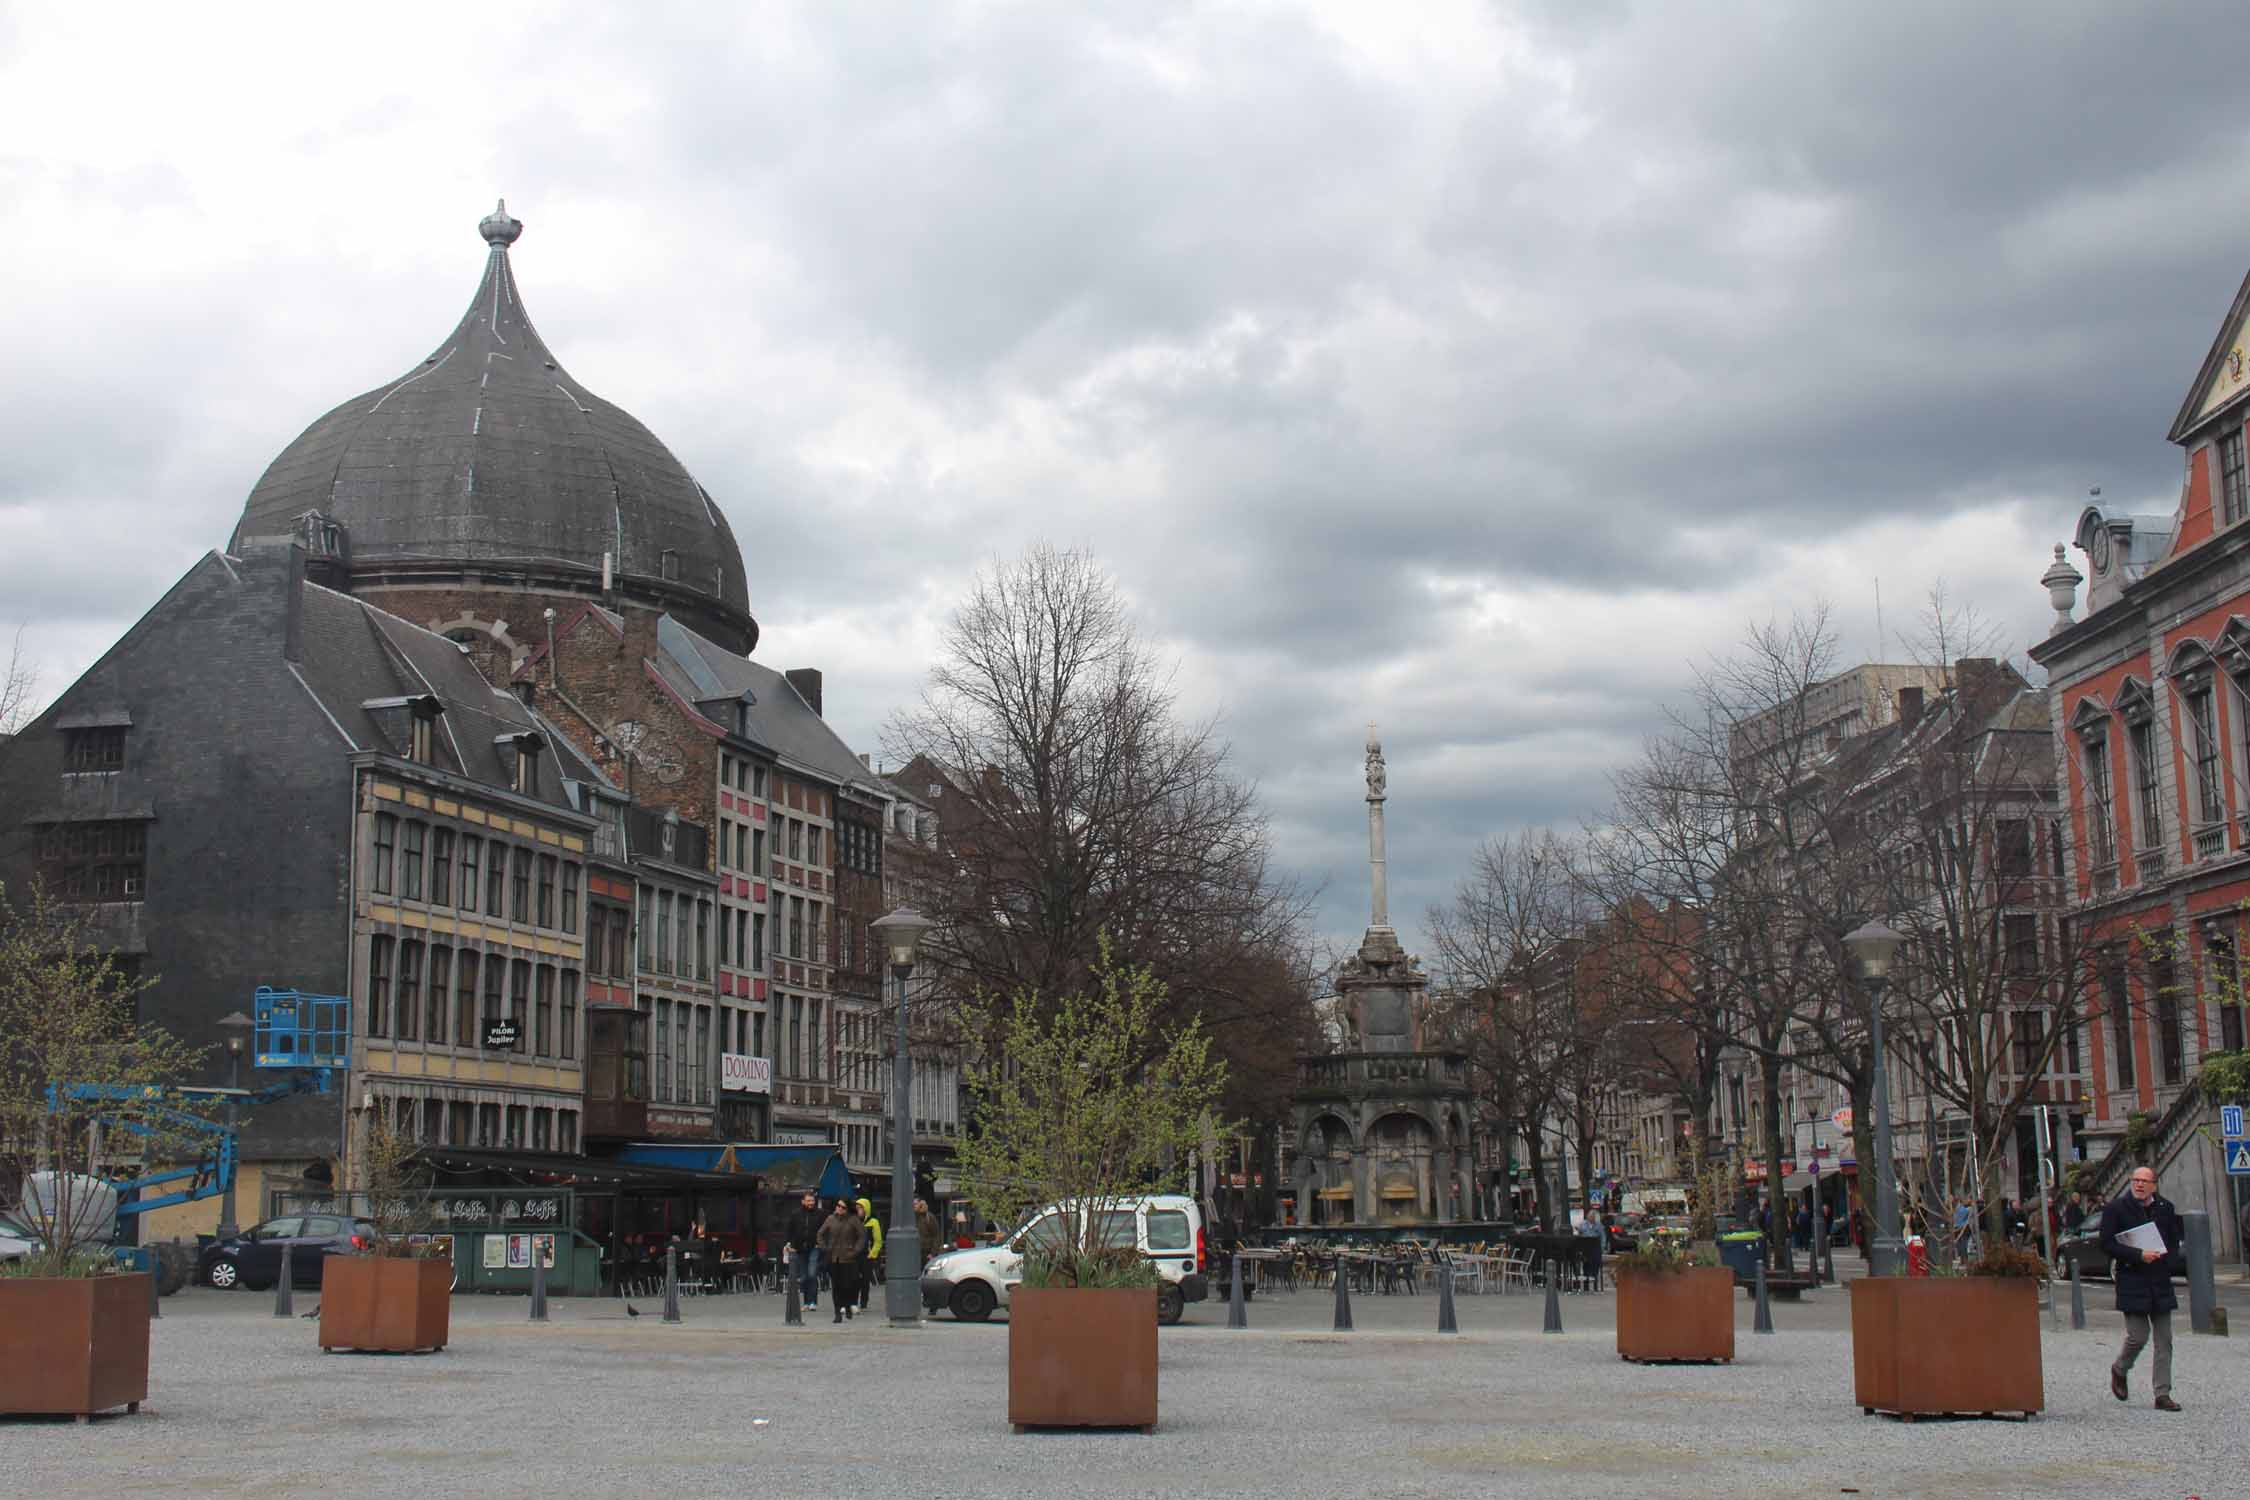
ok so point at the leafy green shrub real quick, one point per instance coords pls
(1656, 1255)
(1099, 1269)
(1085, 1100)
(2225, 1077)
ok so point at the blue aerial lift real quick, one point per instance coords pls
(307, 1037)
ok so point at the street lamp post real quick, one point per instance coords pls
(901, 935)
(236, 1024)
(1874, 945)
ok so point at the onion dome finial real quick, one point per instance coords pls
(498, 229)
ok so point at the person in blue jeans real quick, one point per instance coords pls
(804, 1249)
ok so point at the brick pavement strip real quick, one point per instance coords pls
(598, 1403)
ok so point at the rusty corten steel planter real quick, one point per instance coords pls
(1950, 1344)
(1676, 1315)
(1080, 1358)
(384, 1303)
(73, 1345)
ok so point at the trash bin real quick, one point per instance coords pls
(1917, 1256)
(1741, 1252)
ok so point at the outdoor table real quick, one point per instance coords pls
(1270, 1267)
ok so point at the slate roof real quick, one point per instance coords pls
(490, 451)
(356, 655)
(780, 719)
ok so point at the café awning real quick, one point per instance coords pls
(783, 1168)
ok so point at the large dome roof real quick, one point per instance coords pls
(488, 453)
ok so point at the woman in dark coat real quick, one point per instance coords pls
(2144, 1281)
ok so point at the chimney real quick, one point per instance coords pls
(1909, 707)
(806, 680)
(1974, 675)
(293, 607)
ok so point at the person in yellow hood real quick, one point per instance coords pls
(872, 1268)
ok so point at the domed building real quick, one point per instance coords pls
(462, 726)
(471, 491)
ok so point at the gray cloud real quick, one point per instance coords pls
(1469, 370)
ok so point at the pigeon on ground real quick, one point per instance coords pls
(314, 1313)
(631, 1311)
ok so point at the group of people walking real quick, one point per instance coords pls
(844, 1245)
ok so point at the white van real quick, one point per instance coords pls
(1165, 1227)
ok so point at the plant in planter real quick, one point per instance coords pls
(1672, 1305)
(1962, 1343)
(1083, 1104)
(74, 1331)
(397, 1298)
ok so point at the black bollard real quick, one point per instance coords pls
(1553, 1323)
(1445, 1320)
(538, 1286)
(1763, 1322)
(672, 1282)
(1343, 1298)
(285, 1289)
(2077, 1299)
(792, 1300)
(1237, 1316)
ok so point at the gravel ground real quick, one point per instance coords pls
(598, 1403)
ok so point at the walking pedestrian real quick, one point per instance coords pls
(804, 1249)
(926, 1229)
(842, 1240)
(2144, 1280)
(872, 1267)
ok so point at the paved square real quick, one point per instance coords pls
(732, 1402)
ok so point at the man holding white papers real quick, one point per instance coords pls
(2141, 1233)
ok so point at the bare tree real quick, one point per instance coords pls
(1075, 802)
(19, 685)
(1509, 993)
(1953, 821)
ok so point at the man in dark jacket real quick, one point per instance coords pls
(804, 1249)
(2144, 1280)
(842, 1240)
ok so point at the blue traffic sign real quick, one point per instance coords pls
(2238, 1158)
(2230, 1121)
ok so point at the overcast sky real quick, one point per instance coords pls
(1474, 369)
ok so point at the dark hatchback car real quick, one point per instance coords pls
(253, 1257)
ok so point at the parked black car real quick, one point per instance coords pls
(253, 1257)
(2082, 1245)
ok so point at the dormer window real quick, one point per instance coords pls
(669, 564)
(519, 754)
(99, 861)
(94, 749)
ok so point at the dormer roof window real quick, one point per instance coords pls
(94, 750)
(409, 723)
(519, 753)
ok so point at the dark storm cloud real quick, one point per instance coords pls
(1473, 370)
